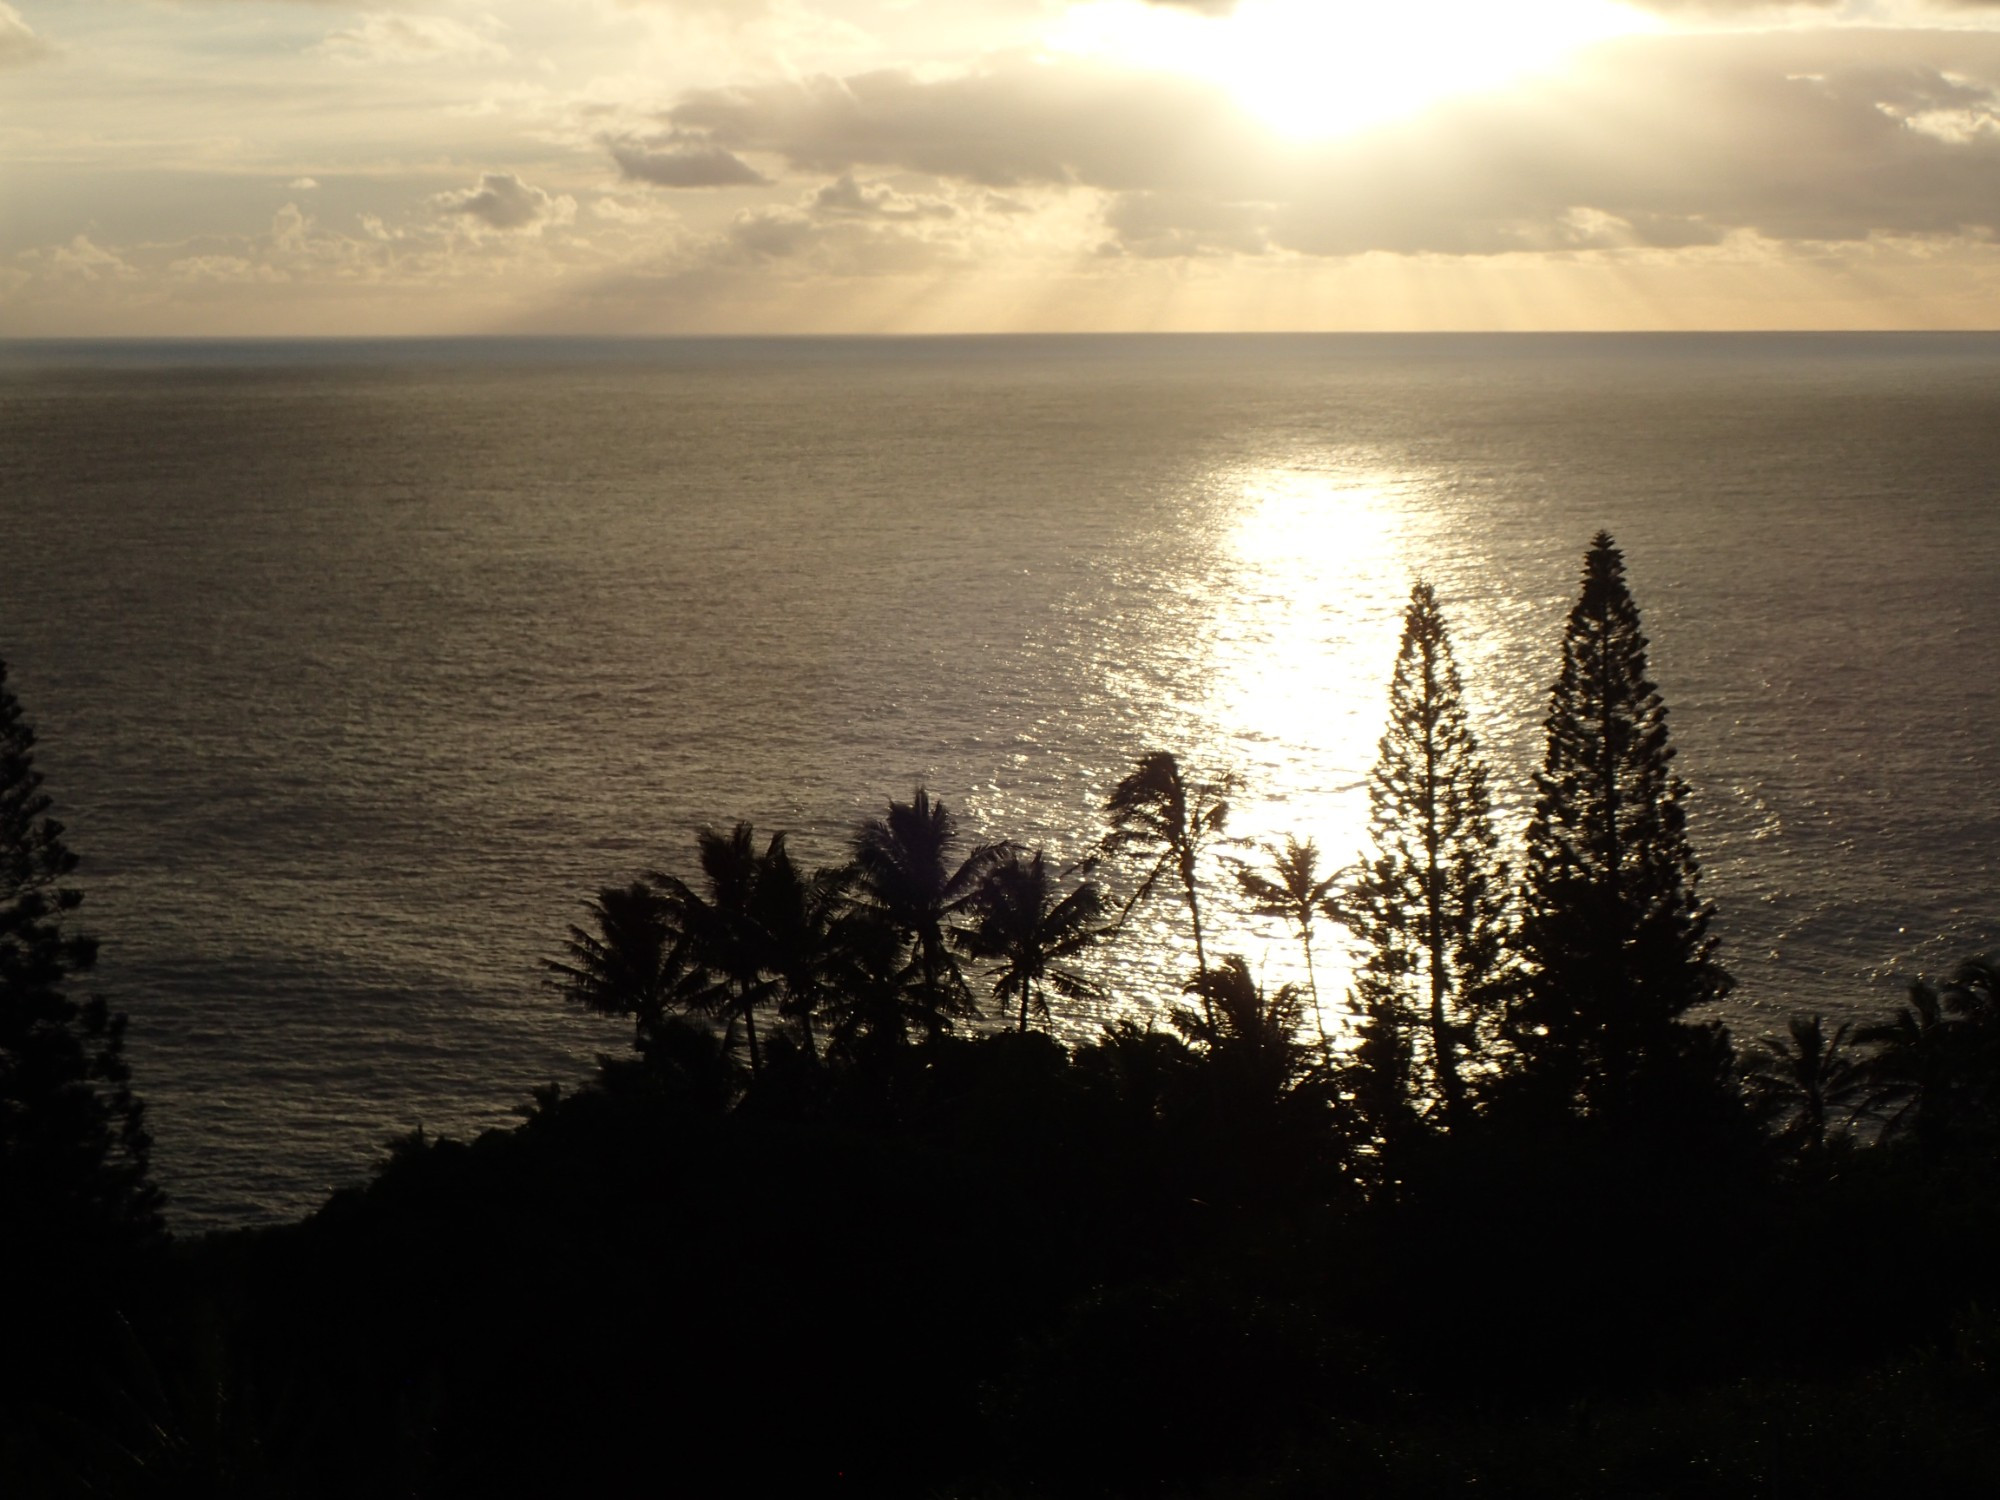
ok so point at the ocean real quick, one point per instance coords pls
(359, 666)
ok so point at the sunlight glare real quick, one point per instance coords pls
(1317, 68)
(1303, 639)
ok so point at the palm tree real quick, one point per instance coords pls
(1914, 1065)
(1156, 810)
(907, 880)
(723, 933)
(1799, 1081)
(634, 964)
(1937, 1060)
(807, 924)
(1021, 918)
(1250, 1035)
(1238, 1013)
(1294, 891)
(871, 1010)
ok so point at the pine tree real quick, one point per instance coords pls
(1614, 936)
(73, 1146)
(1429, 908)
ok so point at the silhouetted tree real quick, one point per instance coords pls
(1239, 1017)
(73, 1145)
(1807, 1086)
(1262, 1113)
(1291, 888)
(1614, 936)
(875, 1007)
(1429, 908)
(1022, 919)
(634, 964)
(1935, 1067)
(724, 936)
(1379, 1079)
(1156, 811)
(809, 929)
(910, 881)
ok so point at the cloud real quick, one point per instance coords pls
(503, 201)
(681, 160)
(844, 198)
(848, 228)
(302, 184)
(1836, 153)
(82, 260)
(774, 233)
(1651, 142)
(18, 43)
(226, 270)
(409, 271)
(1019, 122)
(392, 37)
(800, 244)
(1168, 225)
(618, 211)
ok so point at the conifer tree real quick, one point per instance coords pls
(73, 1147)
(1614, 936)
(1429, 906)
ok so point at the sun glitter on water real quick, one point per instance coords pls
(1317, 68)
(1301, 644)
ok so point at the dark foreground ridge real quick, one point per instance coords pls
(839, 1223)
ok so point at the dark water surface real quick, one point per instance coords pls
(357, 666)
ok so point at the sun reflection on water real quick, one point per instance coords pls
(1282, 643)
(1304, 634)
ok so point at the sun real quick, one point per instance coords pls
(1317, 68)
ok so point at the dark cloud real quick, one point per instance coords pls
(681, 161)
(1656, 141)
(504, 201)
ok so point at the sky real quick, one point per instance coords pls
(311, 167)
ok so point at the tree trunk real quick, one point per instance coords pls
(750, 1030)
